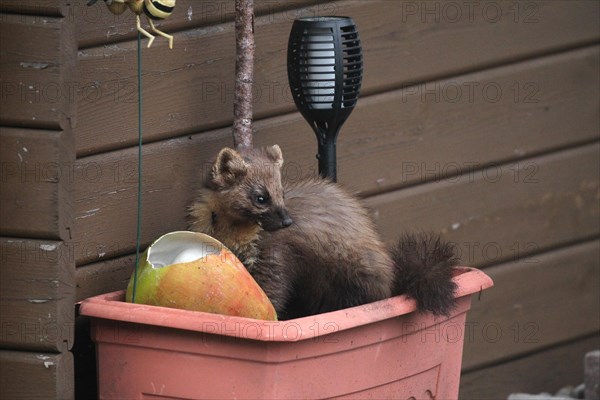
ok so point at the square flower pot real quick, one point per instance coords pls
(378, 350)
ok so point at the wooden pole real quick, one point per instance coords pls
(244, 74)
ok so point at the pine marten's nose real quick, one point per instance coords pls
(287, 221)
(285, 218)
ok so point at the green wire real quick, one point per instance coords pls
(139, 203)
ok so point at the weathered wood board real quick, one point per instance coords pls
(56, 8)
(466, 122)
(504, 212)
(38, 86)
(26, 375)
(103, 277)
(37, 175)
(190, 88)
(536, 302)
(545, 371)
(410, 142)
(37, 293)
(96, 25)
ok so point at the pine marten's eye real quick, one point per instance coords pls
(262, 199)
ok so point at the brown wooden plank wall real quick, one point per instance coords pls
(57, 8)
(478, 119)
(190, 88)
(37, 276)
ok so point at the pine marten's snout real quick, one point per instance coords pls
(277, 219)
(284, 217)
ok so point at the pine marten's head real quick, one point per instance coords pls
(248, 186)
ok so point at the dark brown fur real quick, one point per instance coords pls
(330, 257)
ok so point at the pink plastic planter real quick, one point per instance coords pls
(378, 350)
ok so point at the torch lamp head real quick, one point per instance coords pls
(325, 73)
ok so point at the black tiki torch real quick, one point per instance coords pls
(325, 73)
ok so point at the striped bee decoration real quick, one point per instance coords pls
(158, 9)
(153, 9)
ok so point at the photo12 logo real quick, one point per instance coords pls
(473, 92)
(118, 90)
(470, 11)
(489, 332)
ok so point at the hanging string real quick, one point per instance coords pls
(139, 194)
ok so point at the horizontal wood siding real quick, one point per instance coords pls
(37, 295)
(546, 201)
(506, 211)
(38, 90)
(190, 88)
(389, 143)
(38, 82)
(37, 182)
(104, 276)
(27, 375)
(545, 371)
(538, 301)
(39, 8)
(96, 25)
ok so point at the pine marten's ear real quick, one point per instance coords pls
(275, 155)
(228, 169)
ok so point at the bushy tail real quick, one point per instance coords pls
(424, 272)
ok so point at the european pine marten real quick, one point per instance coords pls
(311, 246)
